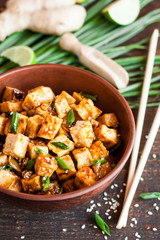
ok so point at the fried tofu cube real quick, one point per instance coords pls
(62, 107)
(87, 110)
(53, 188)
(33, 125)
(7, 178)
(12, 106)
(22, 124)
(45, 165)
(94, 123)
(32, 185)
(59, 151)
(12, 94)
(82, 134)
(33, 144)
(64, 175)
(109, 119)
(78, 97)
(38, 96)
(85, 177)
(83, 157)
(69, 186)
(71, 100)
(98, 151)
(16, 145)
(16, 185)
(50, 127)
(101, 170)
(2, 125)
(62, 131)
(39, 111)
(3, 159)
(107, 135)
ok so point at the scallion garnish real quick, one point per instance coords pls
(87, 95)
(61, 190)
(150, 195)
(7, 167)
(39, 150)
(114, 149)
(14, 122)
(70, 118)
(113, 165)
(45, 183)
(103, 160)
(62, 164)
(30, 164)
(103, 225)
(61, 145)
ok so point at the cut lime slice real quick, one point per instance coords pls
(21, 55)
(122, 12)
(81, 1)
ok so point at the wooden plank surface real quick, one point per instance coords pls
(16, 223)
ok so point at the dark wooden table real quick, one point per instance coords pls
(77, 223)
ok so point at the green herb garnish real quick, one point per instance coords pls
(62, 164)
(113, 165)
(102, 224)
(87, 95)
(30, 164)
(52, 105)
(150, 195)
(61, 145)
(45, 183)
(14, 122)
(70, 118)
(113, 149)
(39, 150)
(61, 190)
(7, 167)
(103, 160)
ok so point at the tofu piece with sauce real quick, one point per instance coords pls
(85, 177)
(69, 186)
(82, 134)
(78, 97)
(9, 179)
(3, 159)
(62, 107)
(50, 127)
(64, 175)
(37, 96)
(12, 106)
(98, 151)
(16, 185)
(83, 157)
(45, 165)
(16, 145)
(32, 184)
(87, 110)
(59, 151)
(12, 94)
(22, 124)
(33, 126)
(70, 100)
(33, 144)
(107, 135)
(101, 170)
(109, 119)
(2, 125)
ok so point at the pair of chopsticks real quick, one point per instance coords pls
(134, 174)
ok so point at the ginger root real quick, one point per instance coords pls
(36, 5)
(56, 21)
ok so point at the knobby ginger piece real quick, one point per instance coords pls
(36, 5)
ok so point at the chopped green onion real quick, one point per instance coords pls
(61, 190)
(113, 149)
(7, 167)
(61, 145)
(30, 164)
(70, 118)
(102, 224)
(150, 195)
(62, 164)
(14, 123)
(45, 183)
(39, 150)
(87, 95)
(103, 160)
(52, 105)
(113, 165)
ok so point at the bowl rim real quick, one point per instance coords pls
(108, 177)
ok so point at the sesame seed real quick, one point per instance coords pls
(112, 186)
(124, 184)
(133, 219)
(154, 156)
(83, 226)
(22, 237)
(64, 230)
(126, 238)
(115, 211)
(131, 224)
(94, 226)
(99, 205)
(146, 137)
(155, 204)
(105, 237)
(105, 194)
(142, 179)
(157, 208)
(121, 190)
(109, 217)
(137, 235)
(92, 201)
(116, 185)
(107, 214)
(150, 213)
(118, 196)
(154, 229)
(105, 198)
(97, 212)
(136, 205)
(106, 202)
(108, 210)
(159, 198)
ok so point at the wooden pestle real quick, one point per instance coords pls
(96, 61)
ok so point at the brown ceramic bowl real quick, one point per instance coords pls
(60, 77)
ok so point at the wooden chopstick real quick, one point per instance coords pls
(141, 113)
(140, 168)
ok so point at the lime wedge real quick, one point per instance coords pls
(81, 1)
(21, 55)
(122, 12)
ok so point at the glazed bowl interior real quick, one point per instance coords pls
(60, 77)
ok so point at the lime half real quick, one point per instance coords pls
(122, 12)
(21, 55)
